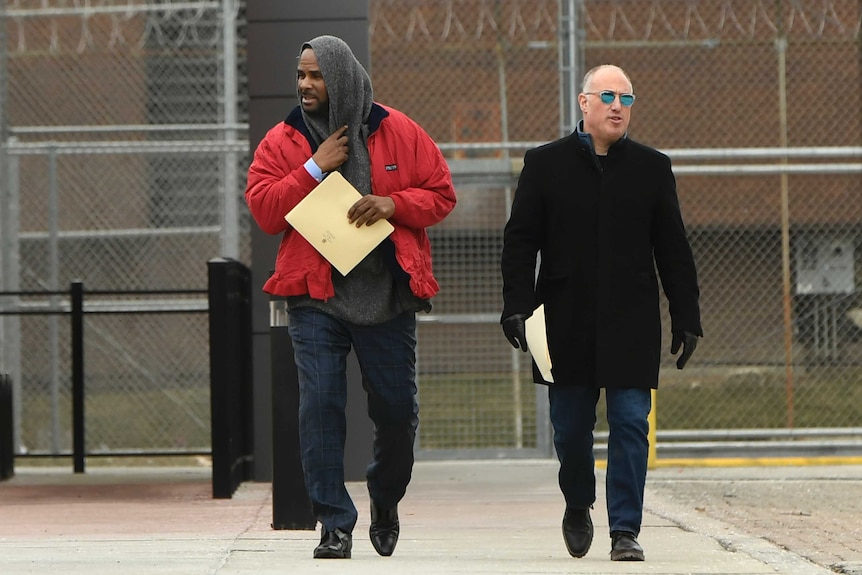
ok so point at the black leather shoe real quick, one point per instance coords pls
(625, 547)
(577, 531)
(335, 544)
(384, 528)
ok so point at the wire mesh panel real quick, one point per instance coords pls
(122, 162)
(459, 69)
(768, 173)
(147, 384)
(157, 385)
(123, 142)
(753, 75)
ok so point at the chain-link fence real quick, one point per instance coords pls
(759, 105)
(122, 140)
(122, 167)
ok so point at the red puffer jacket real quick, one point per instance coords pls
(406, 165)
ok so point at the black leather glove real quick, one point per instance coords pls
(688, 341)
(516, 330)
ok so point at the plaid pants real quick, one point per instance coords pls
(387, 359)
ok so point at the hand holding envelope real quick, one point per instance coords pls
(321, 218)
(371, 208)
(537, 342)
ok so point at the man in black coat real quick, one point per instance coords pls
(602, 212)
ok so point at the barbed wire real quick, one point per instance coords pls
(606, 20)
(173, 24)
(57, 25)
(522, 16)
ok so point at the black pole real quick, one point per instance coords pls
(220, 413)
(77, 295)
(230, 375)
(291, 507)
(7, 429)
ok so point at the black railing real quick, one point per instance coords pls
(229, 308)
(76, 311)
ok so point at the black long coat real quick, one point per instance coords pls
(602, 229)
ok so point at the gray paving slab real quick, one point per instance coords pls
(476, 517)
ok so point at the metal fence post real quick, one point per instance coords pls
(291, 507)
(78, 443)
(230, 375)
(7, 429)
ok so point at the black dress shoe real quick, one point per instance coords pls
(625, 547)
(384, 528)
(335, 544)
(577, 531)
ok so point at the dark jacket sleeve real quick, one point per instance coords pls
(674, 258)
(522, 239)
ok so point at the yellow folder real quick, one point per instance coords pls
(321, 218)
(537, 342)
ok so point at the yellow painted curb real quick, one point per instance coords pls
(748, 462)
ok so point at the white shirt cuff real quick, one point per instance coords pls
(314, 170)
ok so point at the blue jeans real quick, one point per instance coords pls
(573, 415)
(387, 359)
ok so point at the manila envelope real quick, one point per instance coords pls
(537, 342)
(321, 218)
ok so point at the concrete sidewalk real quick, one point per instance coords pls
(470, 517)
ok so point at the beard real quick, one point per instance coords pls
(321, 112)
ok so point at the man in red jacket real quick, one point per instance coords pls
(404, 179)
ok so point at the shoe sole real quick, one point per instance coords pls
(330, 554)
(627, 556)
(579, 554)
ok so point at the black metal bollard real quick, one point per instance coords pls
(76, 291)
(7, 429)
(291, 508)
(230, 375)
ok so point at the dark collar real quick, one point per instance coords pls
(294, 120)
(586, 140)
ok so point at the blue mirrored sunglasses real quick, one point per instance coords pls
(608, 97)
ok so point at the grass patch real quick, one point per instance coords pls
(760, 398)
(462, 411)
(471, 410)
(144, 418)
